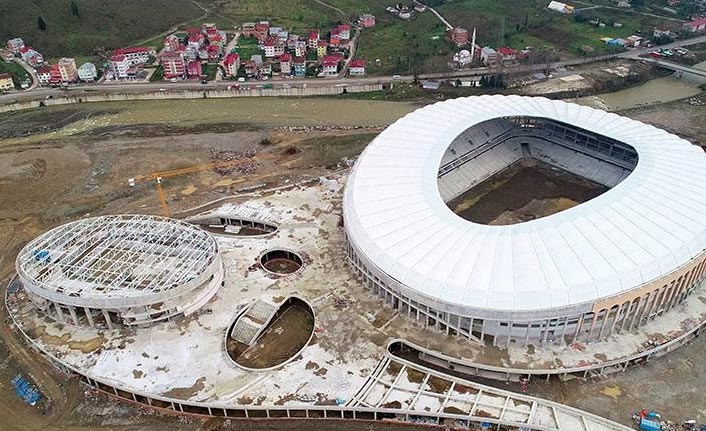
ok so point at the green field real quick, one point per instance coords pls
(247, 47)
(295, 15)
(406, 47)
(111, 24)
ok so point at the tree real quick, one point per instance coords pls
(74, 9)
(41, 23)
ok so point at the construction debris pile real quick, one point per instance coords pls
(235, 161)
(653, 421)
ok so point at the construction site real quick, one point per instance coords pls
(289, 330)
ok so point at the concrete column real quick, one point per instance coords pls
(527, 332)
(615, 320)
(563, 330)
(593, 324)
(72, 312)
(89, 316)
(107, 319)
(579, 324)
(59, 312)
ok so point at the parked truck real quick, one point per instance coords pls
(25, 390)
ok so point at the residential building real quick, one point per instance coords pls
(265, 71)
(334, 39)
(68, 70)
(344, 31)
(15, 44)
(55, 75)
(507, 54)
(292, 40)
(29, 54)
(634, 41)
(136, 54)
(273, 47)
(171, 43)
(329, 65)
(44, 74)
(214, 53)
(173, 65)
(6, 82)
(251, 68)
(231, 65)
(300, 67)
(488, 56)
(35, 59)
(196, 41)
(257, 58)
(87, 72)
(248, 29)
(420, 8)
(119, 65)
(560, 7)
(313, 39)
(261, 30)
(192, 30)
(300, 48)
(321, 49)
(285, 64)
(193, 69)
(458, 36)
(357, 68)
(366, 20)
(274, 31)
(7, 55)
(695, 26)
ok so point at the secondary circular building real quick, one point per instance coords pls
(526, 220)
(129, 269)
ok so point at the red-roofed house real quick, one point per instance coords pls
(695, 25)
(173, 64)
(458, 35)
(285, 64)
(344, 31)
(329, 65)
(356, 68)
(273, 47)
(171, 43)
(214, 53)
(251, 68)
(313, 38)
(231, 65)
(335, 38)
(135, 55)
(55, 75)
(367, 20)
(119, 65)
(196, 40)
(44, 74)
(193, 69)
(192, 30)
(261, 30)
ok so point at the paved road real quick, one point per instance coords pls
(32, 73)
(438, 15)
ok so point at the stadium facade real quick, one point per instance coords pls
(114, 270)
(602, 267)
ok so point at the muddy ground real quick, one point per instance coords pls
(57, 174)
(527, 190)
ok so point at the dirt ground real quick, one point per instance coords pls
(280, 341)
(525, 191)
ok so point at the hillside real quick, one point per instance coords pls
(99, 23)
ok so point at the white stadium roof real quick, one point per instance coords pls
(645, 227)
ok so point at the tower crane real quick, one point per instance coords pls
(157, 177)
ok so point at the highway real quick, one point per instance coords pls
(150, 87)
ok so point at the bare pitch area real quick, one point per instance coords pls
(525, 191)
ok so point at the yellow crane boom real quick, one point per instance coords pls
(158, 177)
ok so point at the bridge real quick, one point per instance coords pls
(676, 67)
